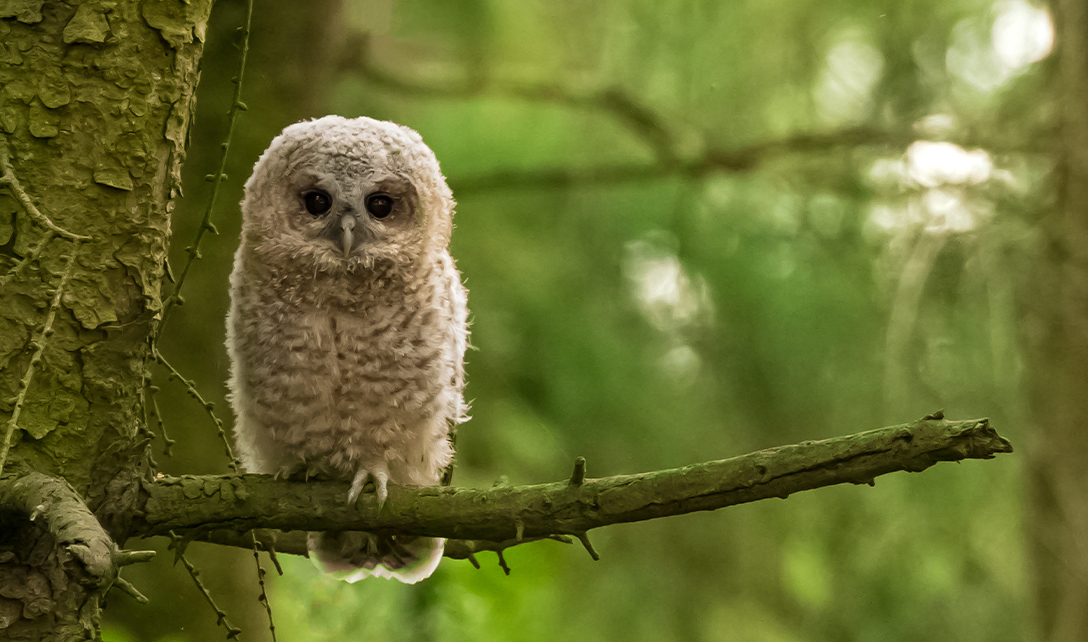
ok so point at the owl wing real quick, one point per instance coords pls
(457, 306)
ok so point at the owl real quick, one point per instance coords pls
(348, 325)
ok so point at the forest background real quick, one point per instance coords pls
(689, 230)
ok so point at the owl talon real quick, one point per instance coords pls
(381, 482)
(357, 485)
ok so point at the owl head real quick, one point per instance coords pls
(343, 195)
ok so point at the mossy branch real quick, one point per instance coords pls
(54, 504)
(244, 502)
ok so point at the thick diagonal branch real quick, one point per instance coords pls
(53, 503)
(243, 502)
(56, 505)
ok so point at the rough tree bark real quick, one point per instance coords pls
(95, 104)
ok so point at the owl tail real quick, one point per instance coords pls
(354, 555)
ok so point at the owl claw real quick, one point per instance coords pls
(381, 479)
(381, 482)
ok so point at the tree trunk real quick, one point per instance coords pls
(95, 106)
(1057, 357)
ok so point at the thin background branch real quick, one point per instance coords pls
(648, 125)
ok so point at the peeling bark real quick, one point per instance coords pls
(95, 107)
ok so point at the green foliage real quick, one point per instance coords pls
(688, 312)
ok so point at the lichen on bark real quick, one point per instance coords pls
(86, 94)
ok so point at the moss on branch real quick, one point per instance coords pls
(244, 502)
(64, 530)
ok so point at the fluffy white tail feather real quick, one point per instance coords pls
(355, 555)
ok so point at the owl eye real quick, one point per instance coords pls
(379, 205)
(317, 202)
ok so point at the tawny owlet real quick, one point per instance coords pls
(348, 324)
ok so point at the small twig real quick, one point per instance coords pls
(579, 476)
(7, 177)
(221, 615)
(206, 225)
(126, 587)
(502, 562)
(31, 255)
(209, 407)
(583, 537)
(168, 443)
(179, 543)
(126, 558)
(39, 343)
(263, 598)
(271, 550)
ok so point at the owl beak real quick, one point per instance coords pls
(347, 233)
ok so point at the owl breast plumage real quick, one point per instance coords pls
(348, 324)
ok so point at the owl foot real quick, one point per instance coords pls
(380, 474)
